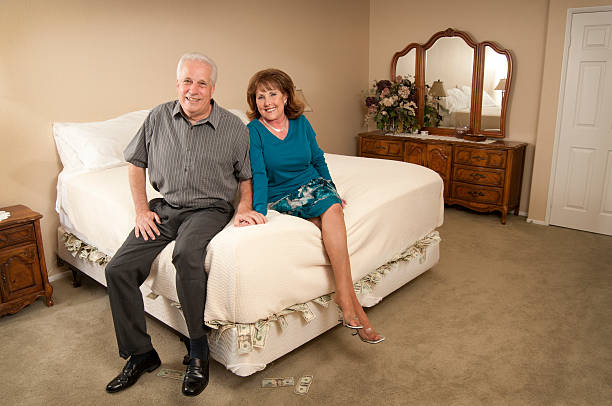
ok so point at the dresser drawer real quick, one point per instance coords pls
(490, 158)
(479, 175)
(382, 147)
(17, 235)
(478, 194)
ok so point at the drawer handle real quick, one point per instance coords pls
(480, 158)
(476, 175)
(474, 193)
(380, 147)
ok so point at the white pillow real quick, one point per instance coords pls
(455, 100)
(487, 100)
(241, 115)
(96, 144)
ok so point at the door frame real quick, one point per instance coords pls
(553, 169)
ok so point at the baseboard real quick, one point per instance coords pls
(538, 222)
(60, 275)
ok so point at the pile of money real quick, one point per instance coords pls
(301, 388)
(303, 385)
(84, 251)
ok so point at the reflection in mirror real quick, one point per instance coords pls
(493, 88)
(406, 64)
(450, 60)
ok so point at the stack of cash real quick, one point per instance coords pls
(84, 251)
(301, 388)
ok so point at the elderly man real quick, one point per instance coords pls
(197, 155)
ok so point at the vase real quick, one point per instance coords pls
(390, 127)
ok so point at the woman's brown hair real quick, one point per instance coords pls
(273, 79)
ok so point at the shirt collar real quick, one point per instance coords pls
(213, 117)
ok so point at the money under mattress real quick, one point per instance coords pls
(259, 270)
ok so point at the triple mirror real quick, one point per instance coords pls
(460, 83)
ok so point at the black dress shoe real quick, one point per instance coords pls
(132, 371)
(196, 377)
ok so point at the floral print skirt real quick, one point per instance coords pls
(309, 200)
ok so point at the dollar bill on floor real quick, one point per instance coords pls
(303, 385)
(171, 373)
(277, 382)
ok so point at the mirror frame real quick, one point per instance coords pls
(477, 81)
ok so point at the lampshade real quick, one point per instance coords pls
(501, 85)
(299, 94)
(437, 89)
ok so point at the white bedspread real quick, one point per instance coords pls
(259, 270)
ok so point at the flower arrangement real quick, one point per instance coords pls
(392, 106)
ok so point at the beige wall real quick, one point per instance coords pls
(519, 26)
(555, 40)
(71, 60)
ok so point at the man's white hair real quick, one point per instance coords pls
(195, 56)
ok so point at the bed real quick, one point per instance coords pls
(456, 107)
(270, 286)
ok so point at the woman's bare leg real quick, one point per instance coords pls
(333, 231)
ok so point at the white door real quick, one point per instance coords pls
(582, 193)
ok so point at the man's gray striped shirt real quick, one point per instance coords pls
(192, 165)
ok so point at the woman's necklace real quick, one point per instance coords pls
(278, 130)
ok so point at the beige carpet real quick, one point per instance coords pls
(519, 314)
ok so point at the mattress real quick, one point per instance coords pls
(257, 271)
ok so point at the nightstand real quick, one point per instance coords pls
(23, 272)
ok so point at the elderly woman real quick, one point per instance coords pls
(290, 176)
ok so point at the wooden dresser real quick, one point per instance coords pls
(23, 273)
(482, 177)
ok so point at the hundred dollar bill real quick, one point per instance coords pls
(323, 300)
(277, 382)
(289, 381)
(245, 342)
(171, 373)
(223, 329)
(303, 385)
(261, 333)
(303, 308)
(283, 322)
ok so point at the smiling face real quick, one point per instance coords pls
(195, 89)
(270, 103)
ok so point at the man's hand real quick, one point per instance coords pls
(145, 224)
(145, 218)
(246, 217)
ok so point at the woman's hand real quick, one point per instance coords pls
(248, 218)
